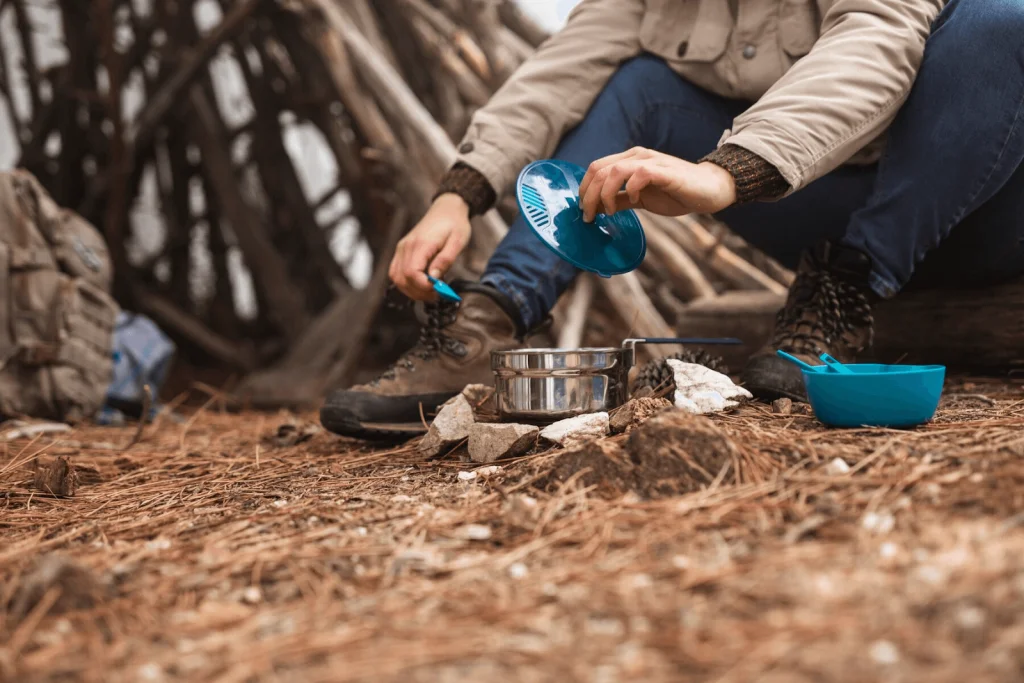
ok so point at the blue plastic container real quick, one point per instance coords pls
(896, 396)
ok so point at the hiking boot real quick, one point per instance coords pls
(454, 350)
(828, 310)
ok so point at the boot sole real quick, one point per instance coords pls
(343, 423)
(762, 379)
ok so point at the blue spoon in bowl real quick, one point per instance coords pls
(796, 361)
(835, 365)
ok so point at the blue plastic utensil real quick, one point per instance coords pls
(548, 193)
(443, 289)
(796, 361)
(834, 364)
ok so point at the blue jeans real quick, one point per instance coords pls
(943, 207)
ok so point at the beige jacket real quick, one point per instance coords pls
(827, 76)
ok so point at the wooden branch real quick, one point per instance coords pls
(516, 46)
(571, 334)
(517, 21)
(738, 245)
(395, 96)
(118, 198)
(365, 19)
(363, 110)
(468, 84)
(454, 35)
(324, 356)
(636, 311)
(684, 274)
(174, 88)
(482, 16)
(269, 272)
(281, 181)
(28, 48)
(341, 373)
(706, 249)
(167, 314)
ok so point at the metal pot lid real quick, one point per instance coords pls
(548, 195)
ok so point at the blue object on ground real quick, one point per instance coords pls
(548, 193)
(896, 396)
(142, 355)
(443, 289)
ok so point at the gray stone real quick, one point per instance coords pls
(490, 442)
(449, 428)
(577, 430)
(782, 406)
(481, 397)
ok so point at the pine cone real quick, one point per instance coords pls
(657, 376)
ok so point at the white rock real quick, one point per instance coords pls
(577, 430)
(252, 595)
(701, 390)
(969, 617)
(159, 544)
(878, 522)
(467, 476)
(888, 550)
(150, 672)
(883, 652)
(480, 396)
(489, 471)
(490, 442)
(449, 428)
(475, 532)
(518, 571)
(837, 467)
(522, 511)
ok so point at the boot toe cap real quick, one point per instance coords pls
(769, 377)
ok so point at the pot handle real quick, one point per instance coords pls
(696, 341)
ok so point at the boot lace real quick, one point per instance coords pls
(823, 309)
(432, 340)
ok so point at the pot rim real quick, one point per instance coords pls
(585, 349)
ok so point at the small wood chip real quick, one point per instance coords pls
(58, 478)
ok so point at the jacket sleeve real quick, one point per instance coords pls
(844, 93)
(552, 90)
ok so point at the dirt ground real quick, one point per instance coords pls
(750, 546)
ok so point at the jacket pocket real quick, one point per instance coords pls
(799, 27)
(685, 31)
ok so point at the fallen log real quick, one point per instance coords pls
(971, 330)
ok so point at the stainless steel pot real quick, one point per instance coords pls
(541, 386)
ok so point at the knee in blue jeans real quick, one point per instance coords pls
(986, 24)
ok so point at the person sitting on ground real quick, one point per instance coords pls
(870, 144)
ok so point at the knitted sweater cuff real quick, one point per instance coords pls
(471, 185)
(756, 179)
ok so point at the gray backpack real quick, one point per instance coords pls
(56, 314)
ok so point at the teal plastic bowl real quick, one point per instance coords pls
(896, 396)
